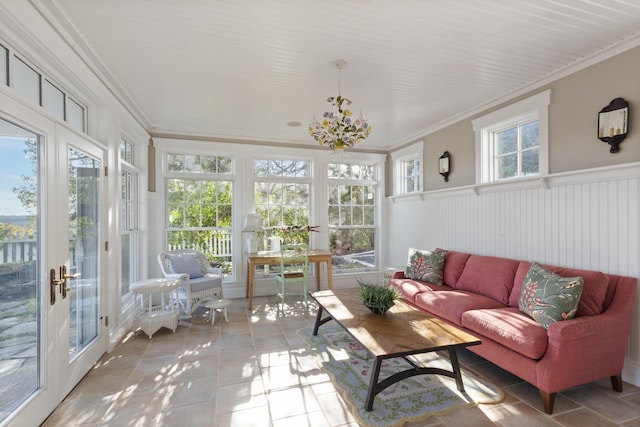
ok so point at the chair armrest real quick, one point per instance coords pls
(216, 271)
(398, 274)
(182, 276)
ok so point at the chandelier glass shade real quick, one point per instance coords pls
(338, 128)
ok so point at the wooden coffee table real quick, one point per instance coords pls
(401, 332)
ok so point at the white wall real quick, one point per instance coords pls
(587, 219)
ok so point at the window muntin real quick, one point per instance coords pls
(513, 142)
(516, 151)
(200, 209)
(352, 199)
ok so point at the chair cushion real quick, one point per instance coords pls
(204, 283)
(185, 264)
(426, 266)
(548, 297)
(453, 267)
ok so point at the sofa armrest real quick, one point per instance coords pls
(398, 274)
(588, 348)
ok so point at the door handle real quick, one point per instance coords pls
(62, 282)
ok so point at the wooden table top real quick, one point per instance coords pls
(403, 330)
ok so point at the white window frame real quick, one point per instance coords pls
(413, 152)
(132, 227)
(533, 108)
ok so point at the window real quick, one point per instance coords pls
(407, 166)
(281, 195)
(53, 100)
(75, 115)
(199, 205)
(4, 66)
(352, 216)
(26, 81)
(129, 231)
(513, 141)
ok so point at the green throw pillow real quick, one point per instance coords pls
(426, 266)
(547, 297)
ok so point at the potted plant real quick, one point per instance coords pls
(377, 297)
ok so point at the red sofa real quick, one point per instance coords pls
(480, 295)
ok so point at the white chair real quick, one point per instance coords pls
(294, 267)
(199, 280)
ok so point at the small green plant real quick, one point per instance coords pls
(378, 297)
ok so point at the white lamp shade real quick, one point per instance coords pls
(252, 223)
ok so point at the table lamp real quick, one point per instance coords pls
(252, 225)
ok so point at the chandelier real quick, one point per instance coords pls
(338, 128)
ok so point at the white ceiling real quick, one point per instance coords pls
(243, 69)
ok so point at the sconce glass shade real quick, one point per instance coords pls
(252, 225)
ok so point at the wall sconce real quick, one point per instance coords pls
(613, 121)
(252, 225)
(444, 166)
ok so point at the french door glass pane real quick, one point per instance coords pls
(84, 249)
(20, 296)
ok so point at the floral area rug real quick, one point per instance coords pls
(413, 399)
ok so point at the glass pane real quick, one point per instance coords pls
(175, 162)
(4, 66)
(530, 162)
(529, 135)
(53, 100)
(353, 248)
(507, 166)
(75, 115)
(224, 164)
(20, 297)
(127, 257)
(208, 164)
(84, 249)
(507, 141)
(26, 81)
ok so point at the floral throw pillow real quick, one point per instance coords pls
(549, 298)
(426, 266)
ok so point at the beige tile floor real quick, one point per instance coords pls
(253, 371)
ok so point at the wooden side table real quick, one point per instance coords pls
(156, 305)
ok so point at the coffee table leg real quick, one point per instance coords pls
(318, 321)
(453, 355)
(373, 382)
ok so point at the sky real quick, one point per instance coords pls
(13, 163)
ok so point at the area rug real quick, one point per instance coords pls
(412, 399)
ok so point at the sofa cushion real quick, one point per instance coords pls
(510, 327)
(409, 288)
(548, 297)
(489, 276)
(593, 292)
(453, 267)
(426, 266)
(185, 264)
(450, 304)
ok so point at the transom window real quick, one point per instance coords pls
(513, 142)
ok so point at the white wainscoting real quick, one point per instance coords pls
(588, 219)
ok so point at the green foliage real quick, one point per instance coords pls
(377, 295)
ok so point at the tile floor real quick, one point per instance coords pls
(252, 372)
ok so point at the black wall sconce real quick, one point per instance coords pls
(444, 165)
(613, 123)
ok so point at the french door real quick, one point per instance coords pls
(51, 284)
